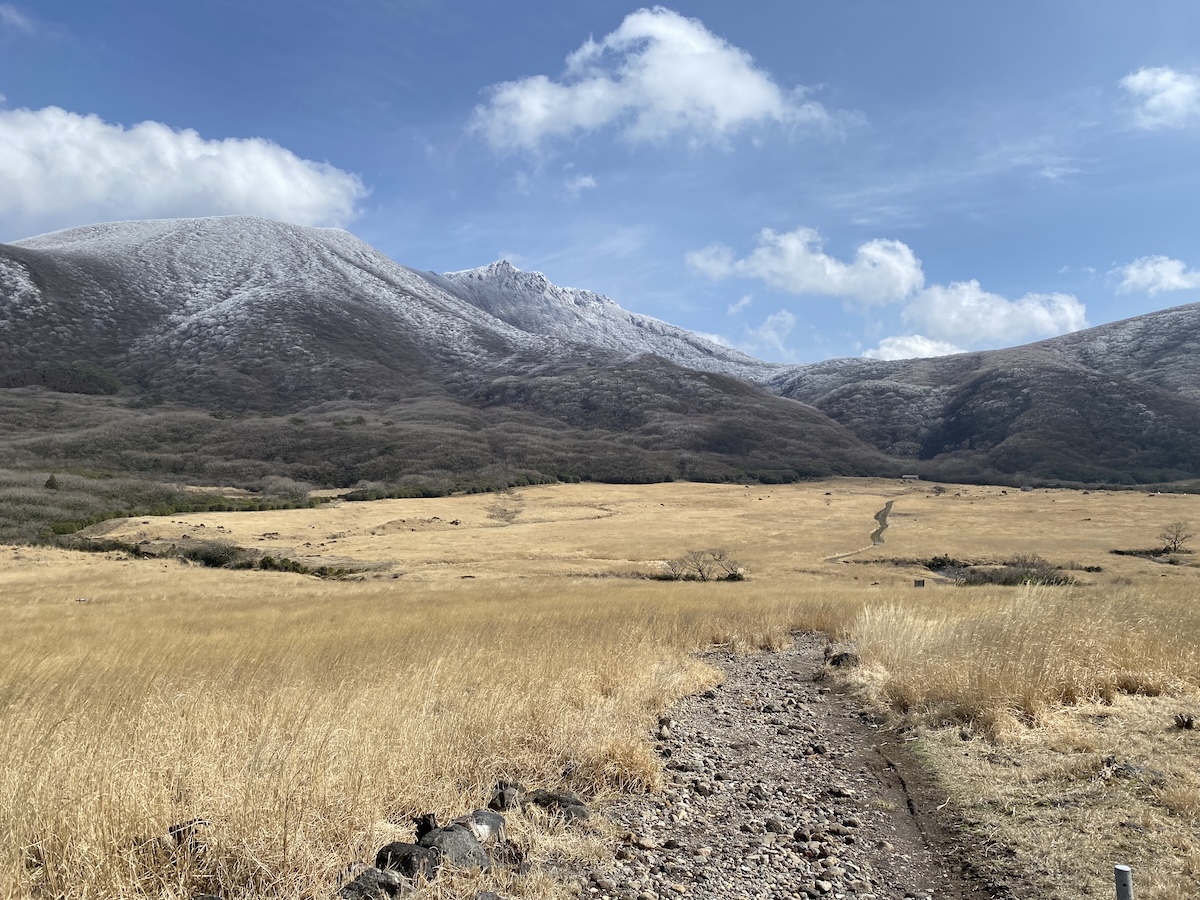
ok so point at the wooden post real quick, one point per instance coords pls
(1124, 879)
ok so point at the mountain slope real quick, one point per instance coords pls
(494, 367)
(243, 311)
(529, 301)
(242, 315)
(1116, 402)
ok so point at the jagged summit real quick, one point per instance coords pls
(533, 303)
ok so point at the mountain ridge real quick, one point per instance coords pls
(248, 315)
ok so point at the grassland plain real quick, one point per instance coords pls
(309, 719)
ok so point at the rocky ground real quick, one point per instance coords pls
(780, 786)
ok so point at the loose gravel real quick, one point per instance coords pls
(781, 787)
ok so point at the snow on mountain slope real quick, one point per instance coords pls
(531, 302)
(201, 281)
(1159, 348)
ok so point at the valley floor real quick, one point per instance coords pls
(519, 636)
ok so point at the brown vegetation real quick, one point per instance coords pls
(309, 720)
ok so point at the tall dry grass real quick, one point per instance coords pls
(1003, 657)
(310, 720)
(302, 718)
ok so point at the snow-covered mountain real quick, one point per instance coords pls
(182, 287)
(239, 315)
(247, 314)
(531, 302)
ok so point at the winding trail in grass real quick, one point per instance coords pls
(882, 518)
(876, 536)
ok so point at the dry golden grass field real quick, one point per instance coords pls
(501, 635)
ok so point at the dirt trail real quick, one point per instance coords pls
(881, 518)
(781, 788)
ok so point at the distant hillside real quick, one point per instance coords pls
(1120, 402)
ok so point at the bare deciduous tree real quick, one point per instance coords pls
(699, 564)
(676, 568)
(723, 560)
(1175, 535)
(705, 565)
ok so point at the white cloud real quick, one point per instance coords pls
(714, 261)
(767, 339)
(965, 313)
(882, 270)
(11, 17)
(953, 316)
(911, 346)
(1157, 273)
(1166, 98)
(658, 74)
(59, 169)
(579, 184)
(735, 308)
(719, 340)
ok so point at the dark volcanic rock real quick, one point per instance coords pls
(457, 846)
(375, 884)
(486, 825)
(411, 860)
(564, 804)
(506, 796)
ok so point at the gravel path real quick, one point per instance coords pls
(780, 788)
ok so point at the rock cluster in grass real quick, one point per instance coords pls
(476, 841)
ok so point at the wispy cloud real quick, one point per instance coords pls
(736, 308)
(658, 74)
(580, 183)
(769, 339)
(12, 18)
(1166, 98)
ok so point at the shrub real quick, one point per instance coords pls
(1024, 568)
(215, 554)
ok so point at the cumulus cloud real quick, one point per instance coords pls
(882, 270)
(1152, 274)
(911, 346)
(13, 18)
(59, 169)
(1166, 98)
(658, 74)
(964, 312)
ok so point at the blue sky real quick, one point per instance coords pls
(801, 180)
